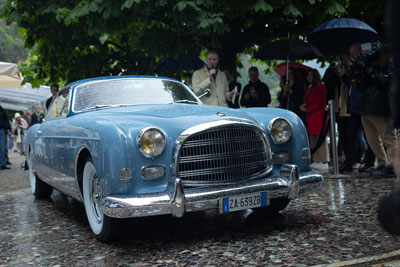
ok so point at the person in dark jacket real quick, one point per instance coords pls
(4, 128)
(233, 85)
(255, 93)
(37, 116)
(54, 90)
(374, 107)
(389, 206)
(349, 123)
(292, 93)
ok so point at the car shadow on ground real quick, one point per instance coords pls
(199, 226)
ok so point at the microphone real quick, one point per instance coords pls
(214, 76)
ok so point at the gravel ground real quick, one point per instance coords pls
(16, 178)
(336, 225)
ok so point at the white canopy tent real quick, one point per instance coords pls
(10, 77)
(14, 96)
(24, 98)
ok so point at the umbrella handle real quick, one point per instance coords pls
(287, 101)
(287, 69)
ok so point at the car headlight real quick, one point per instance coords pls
(280, 130)
(151, 142)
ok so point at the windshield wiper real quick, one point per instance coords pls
(186, 101)
(97, 106)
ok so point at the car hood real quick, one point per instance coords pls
(171, 116)
(171, 110)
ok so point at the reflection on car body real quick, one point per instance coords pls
(133, 146)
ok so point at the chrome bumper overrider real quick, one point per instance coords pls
(176, 200)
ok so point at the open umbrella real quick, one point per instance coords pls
(337, 35)
(288, 49)
(281, 69)
(183, 62)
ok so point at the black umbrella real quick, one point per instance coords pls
(183, 62)
(337, 35)
(288, 49)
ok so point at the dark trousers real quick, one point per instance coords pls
(369, 156)
(349, 133)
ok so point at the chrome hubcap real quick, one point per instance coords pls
(95, 197)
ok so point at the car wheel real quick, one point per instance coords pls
(102, 226)
(275, 205)
(39, 188)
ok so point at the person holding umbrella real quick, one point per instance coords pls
(291, 95)
(374, 107)
(337, 79)
(314, 106)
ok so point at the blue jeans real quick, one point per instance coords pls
(2, 147)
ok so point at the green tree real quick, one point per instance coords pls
(79, 38)
(11, 43)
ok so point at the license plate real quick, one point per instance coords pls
(233, 203)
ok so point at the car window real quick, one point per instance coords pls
(65, 108)
(135, 91)
(60, 105)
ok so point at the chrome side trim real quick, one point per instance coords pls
(70, 137)
(289, 184)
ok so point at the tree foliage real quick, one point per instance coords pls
(73, 39)
(11, 43)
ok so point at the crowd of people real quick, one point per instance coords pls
(357, 81)
(12, 134)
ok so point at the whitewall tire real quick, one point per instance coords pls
(39, 188)
(102, 225)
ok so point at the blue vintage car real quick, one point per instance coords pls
(133, 146)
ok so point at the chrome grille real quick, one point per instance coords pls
(223, 154)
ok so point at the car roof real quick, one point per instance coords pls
(76, 83)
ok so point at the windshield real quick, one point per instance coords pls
(133, 91)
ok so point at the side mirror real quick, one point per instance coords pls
(206, 93)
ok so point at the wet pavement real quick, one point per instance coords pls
(333, 225)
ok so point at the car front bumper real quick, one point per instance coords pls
(177, 200)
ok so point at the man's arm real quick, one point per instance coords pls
(199, 84)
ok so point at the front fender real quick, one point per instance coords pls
(298, 140)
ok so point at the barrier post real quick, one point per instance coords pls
(333, 147)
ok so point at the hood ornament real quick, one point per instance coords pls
(221, 114)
